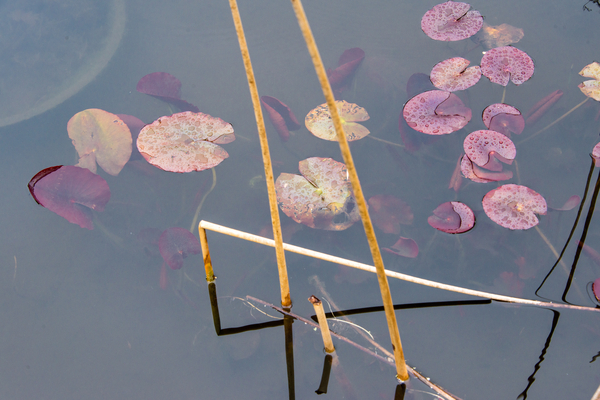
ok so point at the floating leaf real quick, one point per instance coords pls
(165, 87)
(453, 74)
(102, 137)
(452, 217)
(175, 244)
(282, 118)
(185, 142)
(71, 192)
(514, 206)
(483, 146)
(502, 64)
(591, 88)
(596, 154)
(320, 124)
(542, 106)
(436, 112)
(451, 21)
(503, 118)
(498, 36)
(321, 198)
(473, 172)
(404, 247)
(389, 212)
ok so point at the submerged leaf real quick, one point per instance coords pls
(175, 244)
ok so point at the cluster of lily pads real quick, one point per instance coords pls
(183, 142)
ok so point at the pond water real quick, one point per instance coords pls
(83, 313)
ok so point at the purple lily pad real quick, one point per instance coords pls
(514, 206)
(281, 116)
(502, 64)
(175, 244)
(455, 74)
(503, 118)
(347, 65)
(165, 87)
(404, 247)
(436, 112)
(451, 21)
(71, 192)
(452, 217)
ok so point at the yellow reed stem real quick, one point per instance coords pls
(284, 286)
(322, 323)
(402, 373)
(210, 274)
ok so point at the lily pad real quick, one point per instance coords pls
(455, 74)
(165, 87)
(102, 137)
(175, 244)
(452, 217)
(281, 116)
(71, 192)
(436, 112)
(591, 88)
(389, 212)
(451, 21)
(514, 206)
(498, 36)
(404, 247)
(503, 64)
(503, 118)
(320, 124)
(185, 142)
(321, 198)
(349, 61)
(483, 145)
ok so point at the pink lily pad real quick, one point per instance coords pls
(483, 146)
(473, 172)
(321, 198)
(514, 206)
(404, 247)
(281, 116)
(451, 21)
(175, 244)
(452, 74)
(542, 106)
(452, 217)
(596, 155)
(165, 87)
(347, 65)
(185, 142)
(71, 192)
(102, 137)
(503, 118)
(389, 212)
(320, 124)
(502, 64)
(436, 112)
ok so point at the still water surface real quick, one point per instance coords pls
(84, 316)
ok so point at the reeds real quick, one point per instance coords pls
(284, 286)
(402, 373)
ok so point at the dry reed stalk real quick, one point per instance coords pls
(284, 286)
(210, 274)
(322, 323)
(386, 296)
(392, 274)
